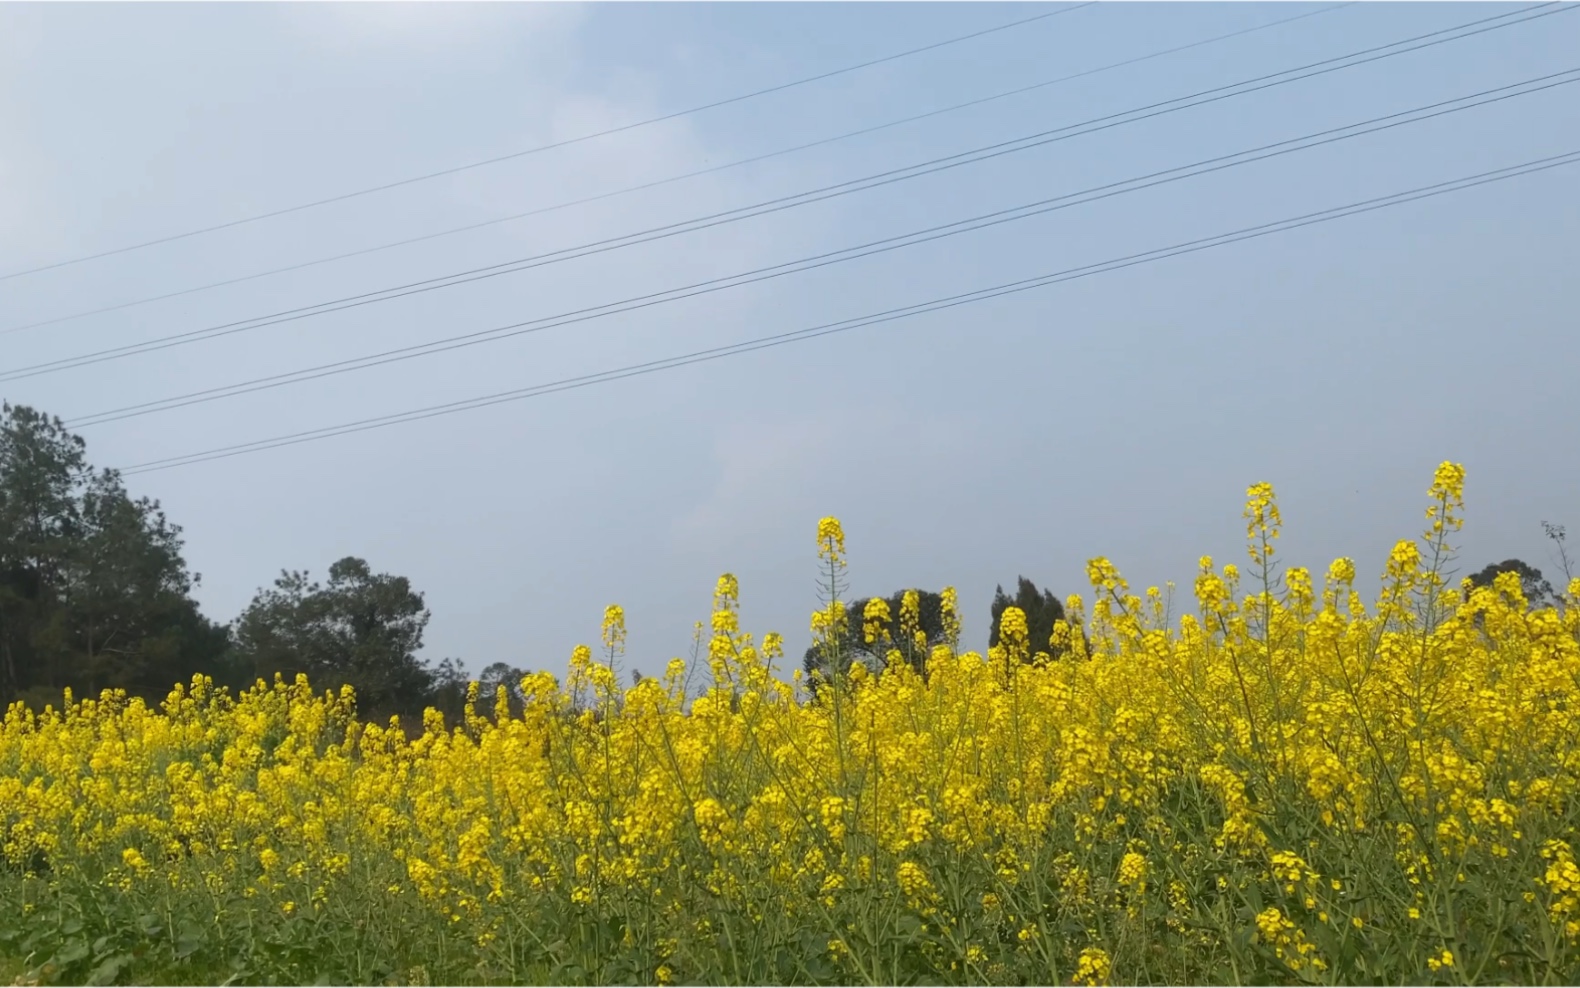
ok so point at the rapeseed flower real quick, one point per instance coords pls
(1353, 772)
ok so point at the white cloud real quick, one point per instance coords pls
(23, 232)
(778, 475)
(407, 25)
(22, 205)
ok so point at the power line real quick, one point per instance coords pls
(757, 209)
(799, 199)
(890, 315)
(545, 147)
(754, 159)
(971, 224)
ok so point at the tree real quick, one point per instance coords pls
(361, 629)
(94, 592)
(447, 695)
(852, 644)
(1042, 610)
(41, 469)
(132, 621)
(502, 674)
(1538, 592)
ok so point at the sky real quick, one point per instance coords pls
(1122, 414)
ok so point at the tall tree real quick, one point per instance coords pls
(132, 621)
(899, 632)
(448, 693)
(362, 629)
(94, 591)
(502, 674)
(1538, 592)
(42, 467)
(1042, 610)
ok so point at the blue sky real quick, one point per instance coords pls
(1121, 415)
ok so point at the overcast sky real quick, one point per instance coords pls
(1122, 414)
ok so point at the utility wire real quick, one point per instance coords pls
(541, 210)
(799, 199)
(544, 147)
(971, 224)
(890, 315)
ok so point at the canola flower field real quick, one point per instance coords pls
(1282, 787)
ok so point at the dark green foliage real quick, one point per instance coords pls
(361, 629)
(853, 646)
(503, 674)
(1538, 592)
(1042, 610)
(94, 592)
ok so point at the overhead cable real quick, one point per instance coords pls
(656, 183)
(342, 197)
(930, 234)
(889, 315)
(848, 187)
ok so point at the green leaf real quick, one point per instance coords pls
(74, 951)
(107, 971)
(187, 944)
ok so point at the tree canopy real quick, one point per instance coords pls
(361, 629)
(1538, 592)
(898, 631)
(504, 674)
(1042, 610)
(94, 592)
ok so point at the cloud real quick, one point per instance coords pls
(23, 232)
(777, 475)
(430, 26)
(21, 211)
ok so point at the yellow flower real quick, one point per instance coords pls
(614, 629)
(950, 605)
(1133, 872)
(1013, 634)
(743, 809)
(913, 880)
(875, 620)
(1262, 521)
(1092, 967)
(830, 540)
(1342, 570)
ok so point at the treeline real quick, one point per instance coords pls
(877, 626)
(95, 594)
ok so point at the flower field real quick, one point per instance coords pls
(1281, 786)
